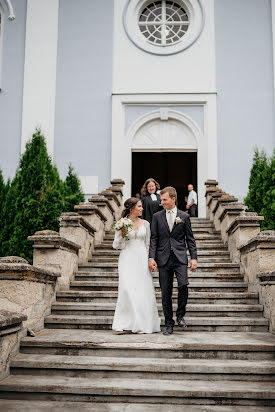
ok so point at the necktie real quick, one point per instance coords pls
(170, 220)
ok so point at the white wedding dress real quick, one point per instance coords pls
(136, 308)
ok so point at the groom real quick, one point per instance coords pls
(170, 230)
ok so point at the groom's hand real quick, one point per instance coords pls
(193, 264)
(152, 265)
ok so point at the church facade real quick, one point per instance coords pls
(182, 91)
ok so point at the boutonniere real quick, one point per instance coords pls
(178, 220)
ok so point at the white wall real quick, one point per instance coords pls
(40, 70)
(190, 71)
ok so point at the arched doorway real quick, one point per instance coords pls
(166, 149)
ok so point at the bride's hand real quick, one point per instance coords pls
(123, 232)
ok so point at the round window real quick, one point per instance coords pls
(163, 22)
(163, 27)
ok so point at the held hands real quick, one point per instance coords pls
(193, 264)
(152, 265)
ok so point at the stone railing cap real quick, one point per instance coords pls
(24, 270)
(232, 208)
(101, 199)
(117, 182)
(50, 236)
(264, 236)
(13, 259)
(8, 318)
(267, 275)
(110, 194)
(69, 218)
(247, 218)
(211, 182)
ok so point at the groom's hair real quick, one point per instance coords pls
(170, 190)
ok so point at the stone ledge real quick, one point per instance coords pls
(16, 268)
(101, 201)
(118, 182)
(232, 209)
(264, 240)
(74, 219)
(267, 278)
(109, 194)
(224, 199)
(216, 194)
(90, 208)
(8, 319)
(249, 219)
(211, 182)
(49, 239)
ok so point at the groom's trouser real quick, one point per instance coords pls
(166, 276)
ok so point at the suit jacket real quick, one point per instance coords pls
(163, 242)
(150, 207)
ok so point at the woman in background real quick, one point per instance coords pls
(151, 202)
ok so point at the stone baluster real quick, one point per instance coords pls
(57, 254)
(241, 230)
(94, 217)
(10, 329)
(106, 209)
(221, 202)
(267, 296)
(75, 228)
(114, 201)
(228, 213)
(257, 256)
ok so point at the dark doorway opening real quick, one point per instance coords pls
(176, 169)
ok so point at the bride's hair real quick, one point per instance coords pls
(128, 205)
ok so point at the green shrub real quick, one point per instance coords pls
(73, 191)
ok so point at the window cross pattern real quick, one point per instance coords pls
(163, 22)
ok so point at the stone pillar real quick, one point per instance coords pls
(10, 328)
(257, 255)
(27, 290)
(106, 208)
(267, 296)
(221, 202)
(242, 229)
(229, 213)
(114, 201)
(208, 194)
(57, 254)
(75, 228)
(94, 217)
(212, 203)
(117, 188)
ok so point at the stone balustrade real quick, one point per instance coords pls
(94, 217)
(252, 248)
(104, 205)
(10, 329)
(57, 254)
(78, 230)
(267, 296)
(26, 290)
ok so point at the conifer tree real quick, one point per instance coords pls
(254, 198)
(39, 197)
(3, 190)
(73, 191)
(8, 216)
(268, 204)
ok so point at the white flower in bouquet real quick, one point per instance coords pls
(124, 224)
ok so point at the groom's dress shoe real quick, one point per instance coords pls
(169, 330)
(181, 323)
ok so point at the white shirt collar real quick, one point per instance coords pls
(174, 210)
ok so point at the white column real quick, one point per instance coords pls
(40, 70)
(273, 40)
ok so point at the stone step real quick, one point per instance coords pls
(202, 267)
(180, 345)
(202, 259)
(46, 406)
(199, 233)
(194, 323)
(201, 246)
(192, 276)
(202, 253)
(162, 391)
(143, 368)
(194, 297)
(108, 309)
(193, 286)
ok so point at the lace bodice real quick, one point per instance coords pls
(142, 235)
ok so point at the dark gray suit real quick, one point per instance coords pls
(169, 251)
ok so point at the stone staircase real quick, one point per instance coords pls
(224, 361)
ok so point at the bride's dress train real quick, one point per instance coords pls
(136, 308)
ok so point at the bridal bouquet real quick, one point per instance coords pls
(123, 224)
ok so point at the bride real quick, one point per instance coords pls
(136, 308)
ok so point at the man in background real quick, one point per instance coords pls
(192, 201)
